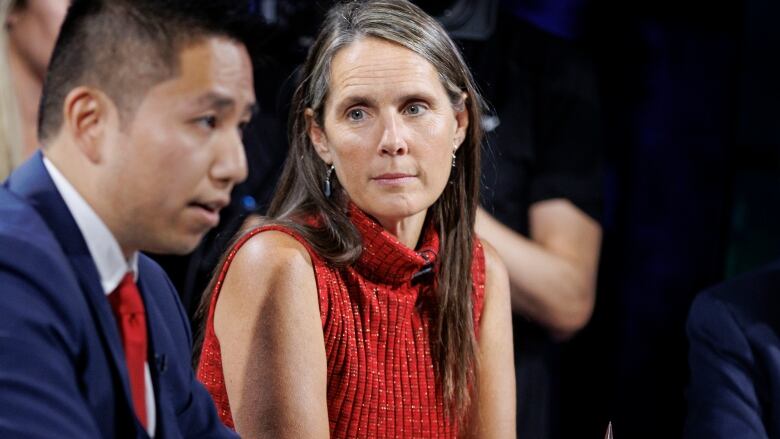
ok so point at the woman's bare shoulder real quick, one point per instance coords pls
(270, 260)
(495, 270)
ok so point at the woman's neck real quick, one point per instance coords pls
(407, 229)
(27, 85)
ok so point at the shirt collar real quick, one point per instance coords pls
(104, 248)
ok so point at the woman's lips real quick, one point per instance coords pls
(394, 179)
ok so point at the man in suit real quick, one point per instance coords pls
(733, 330)
(141, 145)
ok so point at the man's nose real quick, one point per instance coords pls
(230, 166)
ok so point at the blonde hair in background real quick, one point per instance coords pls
(10, 123)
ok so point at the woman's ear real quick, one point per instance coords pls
(462, 119)
(317, 136)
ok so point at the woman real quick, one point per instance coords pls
(365, 307)
(26, 42)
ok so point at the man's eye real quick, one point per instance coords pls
(356, 114)
(208, 121)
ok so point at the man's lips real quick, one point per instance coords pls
(209, 210)
(212, 206)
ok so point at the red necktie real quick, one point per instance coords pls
(131, 319)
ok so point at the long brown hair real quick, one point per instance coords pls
(299, 192)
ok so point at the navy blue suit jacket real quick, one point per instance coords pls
(62, 368)
(735, 359)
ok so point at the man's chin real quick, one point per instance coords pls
(181, 247)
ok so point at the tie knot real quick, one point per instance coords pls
(126, 299)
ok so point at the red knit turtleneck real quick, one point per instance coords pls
(376, 320)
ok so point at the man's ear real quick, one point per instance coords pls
(88, 117)
(317, 136)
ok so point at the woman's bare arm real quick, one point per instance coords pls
(268, 324)
(493, 411)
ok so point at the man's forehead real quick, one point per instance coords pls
(213, 69)
(215, 56)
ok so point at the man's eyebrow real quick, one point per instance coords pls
(215, 100)
(221, 103)
(252, 109)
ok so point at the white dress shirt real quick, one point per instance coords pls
(107, 255)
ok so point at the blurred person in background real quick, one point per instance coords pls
(29, 31)
(734, 359)
(542, 186)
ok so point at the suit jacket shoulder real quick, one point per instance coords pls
(42, 332)
(62, 367)
(734, 358)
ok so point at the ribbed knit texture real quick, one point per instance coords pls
(376, 321)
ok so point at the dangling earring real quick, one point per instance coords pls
(327, 188)
(454, 171)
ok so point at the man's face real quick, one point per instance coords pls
(172, 167)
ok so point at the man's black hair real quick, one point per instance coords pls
(123, 47)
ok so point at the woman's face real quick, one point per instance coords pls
(390, 129)
(32, 31)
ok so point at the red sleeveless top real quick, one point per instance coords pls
(376, 319)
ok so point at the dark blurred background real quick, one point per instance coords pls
(689, 94)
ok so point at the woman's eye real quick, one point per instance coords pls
(415, 109)
(356, 114)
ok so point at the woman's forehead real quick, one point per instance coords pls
(370, 62)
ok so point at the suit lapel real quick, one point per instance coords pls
(33, 182)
